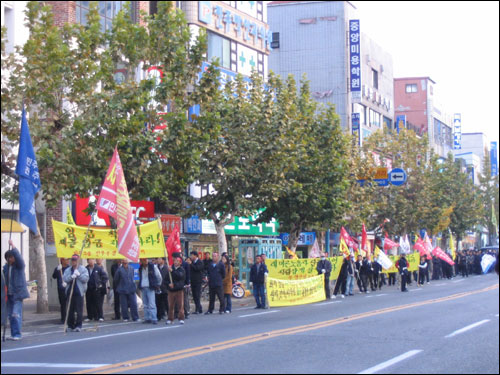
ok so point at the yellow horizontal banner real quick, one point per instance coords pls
(295, 292)
(102, 243)
(298, 269)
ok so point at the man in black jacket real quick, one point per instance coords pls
(162, 295)
(176, 290)
(324, 266)
(197, 269)
(116, 296)
(61, 285)
(216, 273)
(403, 266)
(97, 278)
(187, 286)
(258, 274)
(362, 276)
(341, 280)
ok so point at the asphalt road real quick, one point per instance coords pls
(445, 327)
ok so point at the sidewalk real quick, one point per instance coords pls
(31, 318)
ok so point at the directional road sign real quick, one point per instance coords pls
(397, 176)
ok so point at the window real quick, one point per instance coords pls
(374, 118)
(375, 79)
(411, 87)
(361, 109)
(219, 47)
(107, 10)
(275, 43)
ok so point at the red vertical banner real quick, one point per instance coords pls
(114, 201)
(364, 240)
(173, 244)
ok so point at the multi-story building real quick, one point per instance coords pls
(416, 108)
(473, 148)
(313, 37)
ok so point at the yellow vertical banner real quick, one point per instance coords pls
(295, 292)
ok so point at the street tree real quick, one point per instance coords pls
(78, 110)
(489, 193)
(314, 178)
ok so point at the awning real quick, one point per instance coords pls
(16, 227)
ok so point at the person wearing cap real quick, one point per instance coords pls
(126, 288)
(61, 285)
(197, 269)
(149, 281)
(79, 274)
(17, 290)
(175, 282)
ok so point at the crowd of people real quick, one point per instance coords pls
(165, 290)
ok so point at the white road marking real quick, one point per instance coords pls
(459, 331)
(326, 303)
(414, 290)
(262, 313)
(380, 295)
(457, 281)
(390, 362)
(54, 365)
(84, 327)
(440, 284)
(85, 339)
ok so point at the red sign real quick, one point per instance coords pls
(168, 223)
(140, 209)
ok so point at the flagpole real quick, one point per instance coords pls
(165, 251)
(74, 280)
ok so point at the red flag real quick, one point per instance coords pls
(419, 245)
(348, 239)
(442, 255)
(173, 244)
(389, 244)
(114, 201)
(364, 239)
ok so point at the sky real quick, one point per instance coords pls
(454, 43)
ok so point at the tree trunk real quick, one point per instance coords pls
(293, 239)
(42, 302)
(321, 235)
(221, 238)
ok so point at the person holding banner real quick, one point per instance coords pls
(17, 290)
(362, 277)
(176, 290)
(325, 266)
(403, 265)
(61, 285)
(76, 274)
(126, 288)
(258, 274)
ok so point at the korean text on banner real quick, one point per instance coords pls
(295, 292)
(298, 269)
(115, 202)
(102, 243)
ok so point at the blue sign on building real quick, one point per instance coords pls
(193, 225)
(400, 122)
(355, 60)
(356, 131)
(494, 159)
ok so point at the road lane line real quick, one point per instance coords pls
(457, 281)
(415, 290)
(210, 348)
(54, 365)
(262, 313)
(380, 295)
(465, 329)
(440, 284)
(390, 362)
(84, 339)
(326, 303)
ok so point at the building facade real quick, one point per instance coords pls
(473, 149)
(416, 108)
(313, 37)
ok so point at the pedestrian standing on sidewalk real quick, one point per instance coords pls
(216, 273)
(403, 265)
(61, 285)
(126, 288)
(162, 296)
(422, 269)
(341, 283)
(116, 296)
(104, 289)
(197, 270)
(79, 274)
(377, 275)
(176, 290)
(149, 281)
(227, 283)
(350, 277)
(187, 286)
(324, 266)
(97, 279)
(258, 274)
(17, 290)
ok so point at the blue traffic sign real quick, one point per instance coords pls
(397, 176)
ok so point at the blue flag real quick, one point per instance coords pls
(29, 178)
